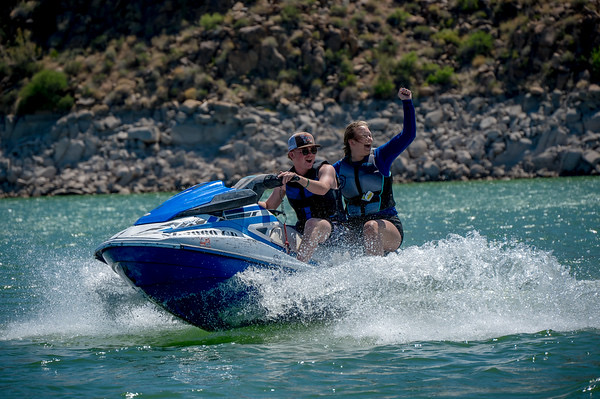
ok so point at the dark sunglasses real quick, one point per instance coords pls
(312, 150)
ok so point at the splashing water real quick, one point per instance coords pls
(457, 289)
(81, 297)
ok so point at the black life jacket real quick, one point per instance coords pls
(308, 205)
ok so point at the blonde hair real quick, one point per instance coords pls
(349, 134)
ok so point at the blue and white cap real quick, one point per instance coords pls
(301, 140)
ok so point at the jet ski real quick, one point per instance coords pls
(185, 254)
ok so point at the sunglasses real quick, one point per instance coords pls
(312, 150)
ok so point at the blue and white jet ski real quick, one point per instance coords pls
(184, 254)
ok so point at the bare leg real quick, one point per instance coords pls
(380, 236)
(315, 232)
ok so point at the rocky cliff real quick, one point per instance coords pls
(171, 93)
(178, 145)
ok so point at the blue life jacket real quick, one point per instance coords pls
(365, 189)
(309, 205)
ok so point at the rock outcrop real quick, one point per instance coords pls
(181, 144)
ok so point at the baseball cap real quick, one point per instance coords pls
(301, 140)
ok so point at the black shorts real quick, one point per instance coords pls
(355, 226)
(338, 234)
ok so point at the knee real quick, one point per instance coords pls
(313, 223)
(310, 224)
(318, 226)
(371, 228)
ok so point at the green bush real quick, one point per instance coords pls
(290, 13)
(446, 36)
(440, 76)
(316, 85)
(348, 80)
(398, 17)
(73, 67)
(347, 76)
(242, 22)
(65, 103)
(339, 22)
(287, 75)
(468, 5)
(211, 21)
(408, 62)
(266, 88)
(388, 45)
(405, 70)
(45, 92)
(358, 19)
(422, 32)
(338, 11)
(478, 43)
(595, 64)
(384, 87)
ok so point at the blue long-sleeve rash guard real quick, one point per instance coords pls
(388, 152)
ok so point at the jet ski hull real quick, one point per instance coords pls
(187, 254)
(195, 284)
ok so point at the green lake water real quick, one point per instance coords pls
(495, 293)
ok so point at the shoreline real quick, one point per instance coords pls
(103, 150)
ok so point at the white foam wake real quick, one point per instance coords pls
(459, 288)
(78, 296)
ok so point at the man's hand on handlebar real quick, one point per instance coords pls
(287, 177)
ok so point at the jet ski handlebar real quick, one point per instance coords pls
(258, 183)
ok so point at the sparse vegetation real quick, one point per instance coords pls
(317, 51)
(21, 59)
